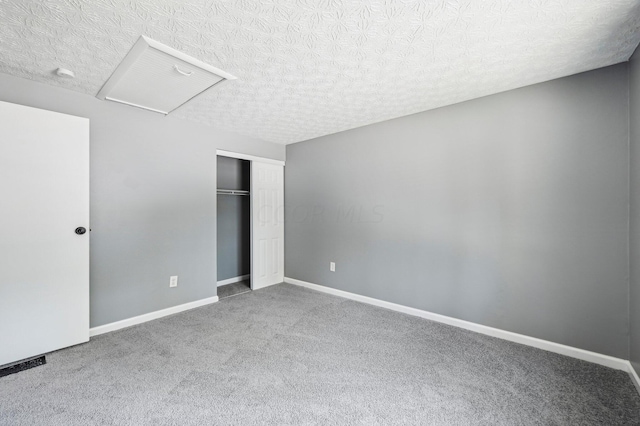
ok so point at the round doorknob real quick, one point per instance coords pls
(80, 230)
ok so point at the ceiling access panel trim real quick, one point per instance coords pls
(142, 47)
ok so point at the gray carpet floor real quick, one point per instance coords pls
(234, 289)
(288, 355)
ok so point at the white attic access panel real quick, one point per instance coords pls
(159, 78)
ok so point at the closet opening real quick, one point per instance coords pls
(233, 226)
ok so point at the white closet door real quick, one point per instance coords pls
(267, 204)
(44, 263)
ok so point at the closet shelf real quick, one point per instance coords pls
(232, 192)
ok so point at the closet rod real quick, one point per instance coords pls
(232, 192)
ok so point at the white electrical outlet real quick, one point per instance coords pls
(332, 266)
(173, 281)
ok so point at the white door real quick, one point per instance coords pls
(267, 241)
(44, 263)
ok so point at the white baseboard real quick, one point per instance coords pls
(634, 376)
(233, 280)
(606, 360)
(95, 331)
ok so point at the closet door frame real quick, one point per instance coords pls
(251, 158)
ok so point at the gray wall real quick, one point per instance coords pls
(634, 222)
(509, 211)
(153, 202)
(234, 216)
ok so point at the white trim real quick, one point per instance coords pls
(109, 98)
(240, 156)
(634, 376)
(186, 58)
(95, 331)
(233, 280)
(596, 358)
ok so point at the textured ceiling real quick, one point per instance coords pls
(308, 68)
